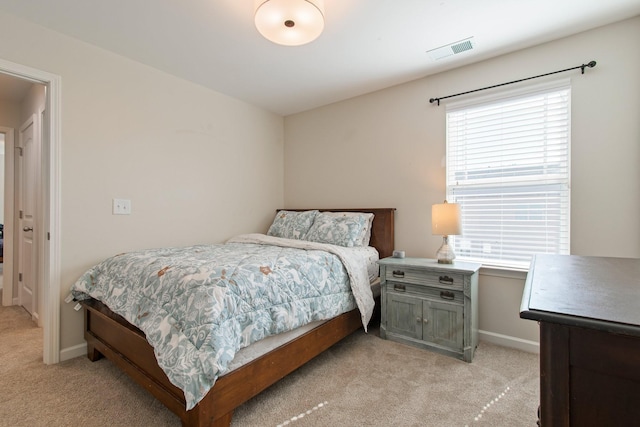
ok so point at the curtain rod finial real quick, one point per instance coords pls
(590, 65)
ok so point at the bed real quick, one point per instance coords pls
(110, 335)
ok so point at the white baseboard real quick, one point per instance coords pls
(36, 318)
(508, 341)
(73, 352)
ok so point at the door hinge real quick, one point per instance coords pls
(20, 150)
(21, 214)
(19, 277)
(48, 235)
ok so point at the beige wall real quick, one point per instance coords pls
(9, 118)
(9, 114)
(387, 149)
(198, 166)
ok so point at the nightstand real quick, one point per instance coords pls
(430, 305)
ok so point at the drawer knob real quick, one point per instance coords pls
(445, 280)
(398, 273)
(398, 287)
(447, 295)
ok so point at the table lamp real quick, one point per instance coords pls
(445, 222)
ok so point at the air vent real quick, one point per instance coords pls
(461, 47)
(451, 49)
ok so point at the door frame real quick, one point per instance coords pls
(7, 268)
(49, 198)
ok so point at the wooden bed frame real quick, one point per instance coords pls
(110, 335)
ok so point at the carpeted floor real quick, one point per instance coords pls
(363, 380)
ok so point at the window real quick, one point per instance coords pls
(508, 167)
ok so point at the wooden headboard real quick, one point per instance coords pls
(382, 232)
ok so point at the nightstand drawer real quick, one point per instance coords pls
(422, 277)
(425, 292)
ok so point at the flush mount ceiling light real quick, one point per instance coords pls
(290, 22)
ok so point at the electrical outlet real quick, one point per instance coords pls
(121, 207)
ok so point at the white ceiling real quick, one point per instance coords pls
(367, 45)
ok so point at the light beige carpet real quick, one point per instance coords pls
(362, 381)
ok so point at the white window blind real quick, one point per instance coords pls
(508, 168)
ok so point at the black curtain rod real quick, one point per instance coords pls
(582, 67)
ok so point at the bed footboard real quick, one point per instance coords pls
(108, 334)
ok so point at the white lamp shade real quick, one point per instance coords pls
(290, 22)
(445, 219)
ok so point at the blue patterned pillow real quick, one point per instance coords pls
(291, 224)
(337, 230)
(366, 233)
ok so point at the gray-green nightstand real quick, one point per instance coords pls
(430, 305)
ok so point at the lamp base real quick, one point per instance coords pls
(445, 254)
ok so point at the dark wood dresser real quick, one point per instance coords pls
(589, 314)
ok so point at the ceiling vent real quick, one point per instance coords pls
(451, 49)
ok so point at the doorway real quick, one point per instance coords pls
(6, 141)
(46, 226)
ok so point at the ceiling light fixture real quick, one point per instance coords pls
(290, 22)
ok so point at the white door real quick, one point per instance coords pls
(27, 175)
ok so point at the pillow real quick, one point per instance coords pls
(291, 224)
(337, 230)
(366, 238)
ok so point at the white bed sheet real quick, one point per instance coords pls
(370, 257)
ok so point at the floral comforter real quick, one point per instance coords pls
(199, 305)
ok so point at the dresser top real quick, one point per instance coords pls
(596, 292)
(432, 264)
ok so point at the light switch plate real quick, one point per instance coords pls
(121, 207)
